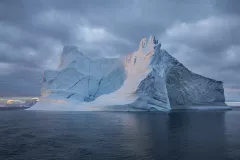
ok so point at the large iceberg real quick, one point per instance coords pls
(147, 79)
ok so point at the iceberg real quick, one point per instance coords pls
(149, 79)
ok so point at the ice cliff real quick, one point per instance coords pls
(147, 79)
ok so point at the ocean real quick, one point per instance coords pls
(180, 135)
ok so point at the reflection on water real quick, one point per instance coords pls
(197, 135)
(180, 135)
(192, 135)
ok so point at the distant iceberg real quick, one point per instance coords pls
(147, 79)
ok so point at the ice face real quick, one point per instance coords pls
(147, 79)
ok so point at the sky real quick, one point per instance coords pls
(202, 34)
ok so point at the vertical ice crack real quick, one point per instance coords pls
(99, 83)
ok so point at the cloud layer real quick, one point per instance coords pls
(204, 35)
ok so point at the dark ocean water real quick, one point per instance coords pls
(189, 135)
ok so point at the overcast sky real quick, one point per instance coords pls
(202, 34)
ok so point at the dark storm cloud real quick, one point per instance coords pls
(228, 6)
(32, 33)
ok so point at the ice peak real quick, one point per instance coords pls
(148, 45)
(150, 42)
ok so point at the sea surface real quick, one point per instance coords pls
(182, 135)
